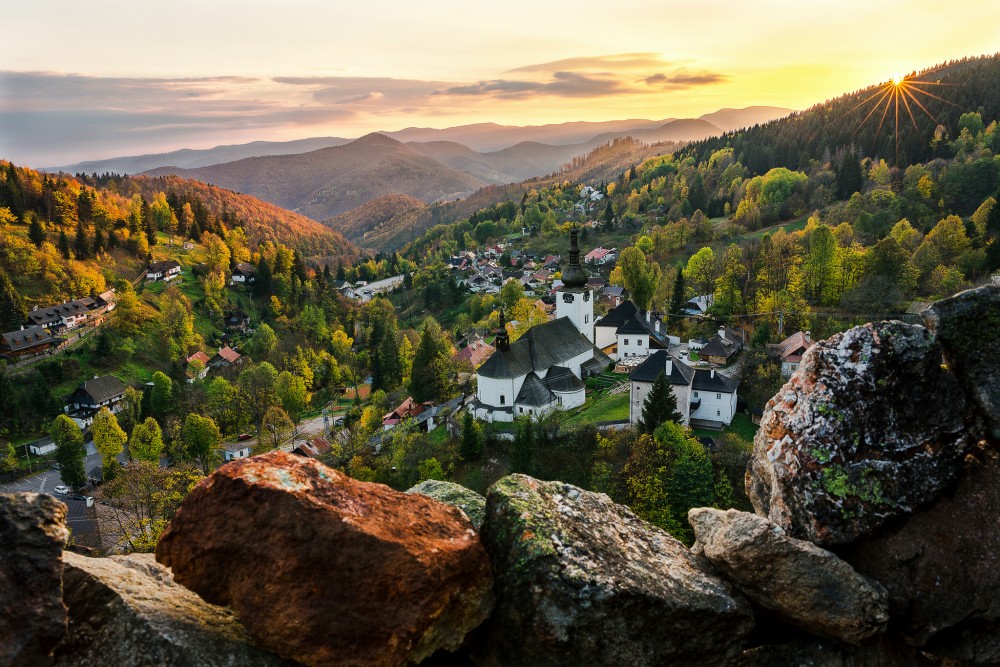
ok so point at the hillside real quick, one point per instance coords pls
(377, 218)
(735, 119)
(261, 220)
(188, 158)
(963, 86)
(329, 181)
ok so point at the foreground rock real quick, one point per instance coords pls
(467, 500)
(127, 610)
(824, 653)
(869, 428)
(803, 584)
(32, 615)
(581, 580)
(324, 569)
(941, 567)
(968, 327)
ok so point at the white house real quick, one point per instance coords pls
(105, 391)
(544, 369)
(166, 270)
(791, 349)
(705, 398)
(629, 333)
(66, 315)
(243, 274)
(235, 450)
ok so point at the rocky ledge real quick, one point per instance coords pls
(875, 477)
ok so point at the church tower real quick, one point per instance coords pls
(574, 299)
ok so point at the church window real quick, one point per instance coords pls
(626, 341)
(502, 399)
(586, 319)
(568, 298)
(586, 296)
(718, 413)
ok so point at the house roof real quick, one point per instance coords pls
(55, 313)
(24, 339)
(634, 325)
(312, 448)
(717, 346)
(475, 352)
(103, 388)
(164, 266)
(595, 254)
(618, 315)
(199, 356)
(793, 347)
(228, 354)
(542, 347)
(614, 290)
(235, 446)
(707, 380)
(680, 373)
(245, 268)
(533, 392)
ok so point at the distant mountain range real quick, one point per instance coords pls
(480, 137)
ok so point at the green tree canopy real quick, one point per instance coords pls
(202, 440)
(109, 439)
(70, 452)
(146, 443)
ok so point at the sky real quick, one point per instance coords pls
(82, 81)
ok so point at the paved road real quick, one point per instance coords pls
(80, 518)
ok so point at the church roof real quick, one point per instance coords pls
(562, 379)
(542, 347)
(680, 373)
(534, 392)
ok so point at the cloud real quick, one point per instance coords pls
(683, 79)
(618, 61)
(562, 84)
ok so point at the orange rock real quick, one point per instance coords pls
(323, 569)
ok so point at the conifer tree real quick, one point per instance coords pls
(13, 312)
(81, 245)
(677, 296)
(660, 405)
(63, 244)
(36, 230)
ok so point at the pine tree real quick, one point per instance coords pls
(81, 244)
(677, 296)
(660, 405)
(13, 312)
(63, 244)
(36, 230)
(430, 378)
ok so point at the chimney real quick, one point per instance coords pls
(670, 366)
(808, 335)
(648, 315)
(722, 333)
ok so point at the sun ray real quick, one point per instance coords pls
(907, 105)
(930, 94)
(878, 130)
(920, 104)
(873, 110)
(883, 90)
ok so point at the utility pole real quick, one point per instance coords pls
(781, 322)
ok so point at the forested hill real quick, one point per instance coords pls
(947, 91)
(110, 206)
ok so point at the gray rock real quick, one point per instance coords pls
(826, 653)
(467, 500)
(803, 584)
(941, 566)
(968, 327)
(582, 580)
(870, 427)
(128, 611)
(32, 615)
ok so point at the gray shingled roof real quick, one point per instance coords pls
(719, 347)
(656, 363)
(163, 266)
(542, 347)
(26, 338)
(705, 381)
(533, 392)
(562, 379)
(618, 315)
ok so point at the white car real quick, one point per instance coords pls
(61, 490)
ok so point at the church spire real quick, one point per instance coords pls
(574, 276)
(502, 340)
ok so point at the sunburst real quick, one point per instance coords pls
(887, 96)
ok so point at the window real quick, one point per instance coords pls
(696, 394)
(626, 341)
(718, 397)
(718, 413)
(502, 399)
(567, 297)
(586, 319)
(531, 412)
(586, 296)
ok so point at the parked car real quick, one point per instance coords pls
(61, 489)
(56, 466)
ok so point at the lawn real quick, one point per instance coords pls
(742, 426)
(601, 408)
(438, 436)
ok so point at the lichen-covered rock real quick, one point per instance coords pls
(941, 566)
(324, 569)
(467, 500)
(126, 610)
(803, 584)
(869, 428)
(883, 652)
(32, 615)
(582, 580)
(968, 327)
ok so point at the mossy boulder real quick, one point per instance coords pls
(580, 579)
(456, 495)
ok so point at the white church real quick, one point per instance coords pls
(544, 370)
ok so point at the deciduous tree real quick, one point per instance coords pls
(70, 452)
(146, 443)
(109, 439)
